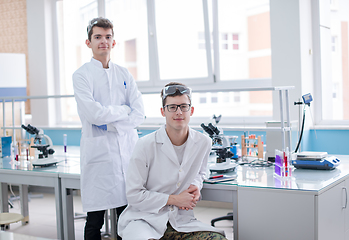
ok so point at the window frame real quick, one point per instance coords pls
(211, 83)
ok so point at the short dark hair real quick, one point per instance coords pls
(177, 93)
(99, 22)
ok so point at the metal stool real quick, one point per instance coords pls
(7, 218)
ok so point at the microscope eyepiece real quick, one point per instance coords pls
(207, 129)
(213, 128)
(30, 129)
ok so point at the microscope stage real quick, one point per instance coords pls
(44, 162)
(222, 167)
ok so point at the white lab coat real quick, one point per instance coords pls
(105, 155)
(154, 174)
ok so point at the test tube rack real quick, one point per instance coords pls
(21, 150)
(282, 164)
(250, 145)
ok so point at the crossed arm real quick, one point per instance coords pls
(111, 117)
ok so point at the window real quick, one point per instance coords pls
(176, 40)
(129, 18)
(224, 41)
(237, 97)
(214, 98)
(230, 41)
(73, 17)
(245, 37)
(177, 28)
(334, 41)
(240, 104)
(202, 98)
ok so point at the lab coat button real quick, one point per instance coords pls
(180, 170)
(171, 208)
(178, 184)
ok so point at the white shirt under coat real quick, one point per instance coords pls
(100, 94)
(153, 175)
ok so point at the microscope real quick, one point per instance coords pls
(221, 146)
(45, 157)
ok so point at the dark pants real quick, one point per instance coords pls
(94, 223)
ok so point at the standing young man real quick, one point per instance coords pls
(165, 176)
(110, 107)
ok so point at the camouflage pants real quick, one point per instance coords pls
(172, 234)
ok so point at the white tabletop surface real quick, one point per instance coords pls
(256, 177)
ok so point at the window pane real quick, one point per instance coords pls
(235, 37)
(73, 17)
(214, 98)
(241, 104)
(335, 105)
(229, 104)
(178, 25)
(245, 27)
(202, 98)
(152, 105)
(131, 35)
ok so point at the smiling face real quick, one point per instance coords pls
(101, 42)
(177, 121)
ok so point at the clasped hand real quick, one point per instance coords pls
(189, 198)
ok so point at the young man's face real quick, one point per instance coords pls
(101, 42)
(177, 120)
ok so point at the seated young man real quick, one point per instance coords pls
(165, 176)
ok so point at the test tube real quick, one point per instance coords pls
(16, 151)
(65, 144)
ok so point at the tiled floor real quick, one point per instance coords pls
(42, 217)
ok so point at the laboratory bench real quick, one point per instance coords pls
(312, 204)
(25, 175)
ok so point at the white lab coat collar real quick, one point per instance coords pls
(97, 63)
(167, 146)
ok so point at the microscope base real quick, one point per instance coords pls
(222, 167)
(44, 162)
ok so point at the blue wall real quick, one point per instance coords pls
(331, 141)
(73, 136)
(324, 140)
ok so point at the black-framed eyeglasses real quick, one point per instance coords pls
(174, 107)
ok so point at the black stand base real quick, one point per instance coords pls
(229, 216)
